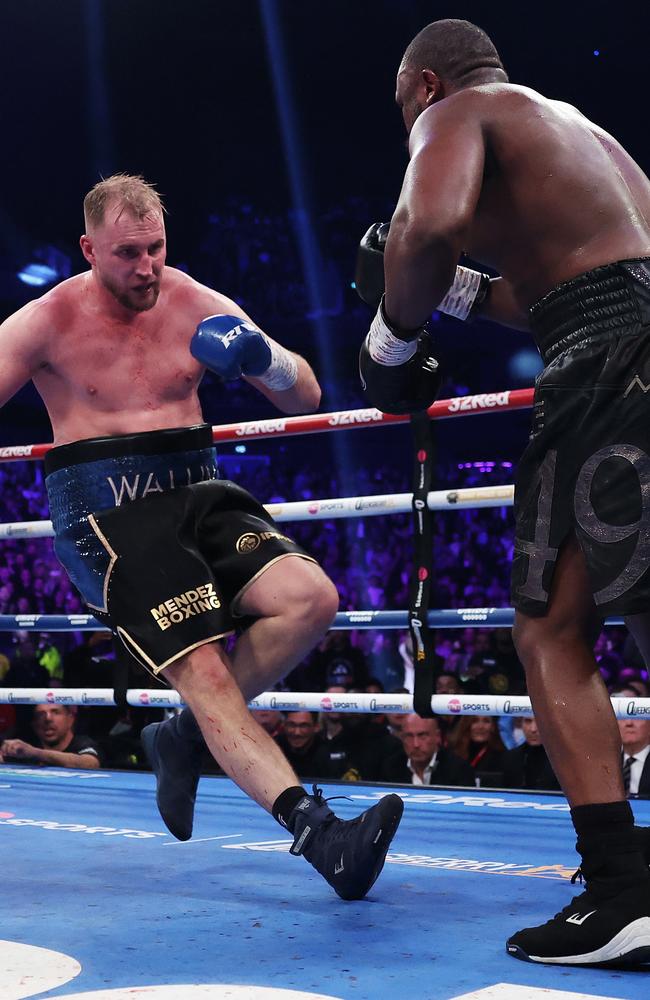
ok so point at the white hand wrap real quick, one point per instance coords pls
(465, 289)
(282, 373)
(384, 347)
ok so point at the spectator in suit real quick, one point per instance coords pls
(527, 766)
(58, 746)
(635, 739)
(423, 760)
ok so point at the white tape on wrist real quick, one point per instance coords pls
(384, 347)
(462, 295)
(282, 373)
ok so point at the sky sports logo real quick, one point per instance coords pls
(10, 819)
(456, 705)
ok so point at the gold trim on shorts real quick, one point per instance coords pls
(114, 557)
(284, 555)
(149, 664)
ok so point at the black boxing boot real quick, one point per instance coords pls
(174, 749)
(610, 921)
(349, 854)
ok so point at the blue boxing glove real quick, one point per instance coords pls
(231, 347)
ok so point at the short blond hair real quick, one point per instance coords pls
(131, 192)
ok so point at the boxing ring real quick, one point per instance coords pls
(100, 901)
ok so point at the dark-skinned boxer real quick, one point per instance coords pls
(553, 204)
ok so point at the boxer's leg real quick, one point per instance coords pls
(578, 728)
(294, 603)
(348, 854)
(583, 743)
(205, 681)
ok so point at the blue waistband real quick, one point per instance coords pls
(101, 473)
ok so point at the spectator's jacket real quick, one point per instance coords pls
(644, 782)
(529, 767)
(449, 770)
(358, 753)
(313, 763)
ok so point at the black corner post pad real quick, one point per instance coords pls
(423, 466)
(120, 673)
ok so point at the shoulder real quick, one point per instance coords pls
(195, 299)
(488, 103)
(83, 744)
(30, 330)
(461, 117)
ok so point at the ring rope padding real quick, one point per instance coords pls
(314, 423)
(311, 701)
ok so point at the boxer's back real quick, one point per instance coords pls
(559, 194)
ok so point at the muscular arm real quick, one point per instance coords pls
(19, 351)
(304, 396)
(439, 195)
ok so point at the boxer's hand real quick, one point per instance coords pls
(231, 347)
(468, 290)
(398, 376)
(369, 273)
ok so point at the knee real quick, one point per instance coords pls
(204, 669)
(320, 604)
(310, 603)
(551, 639)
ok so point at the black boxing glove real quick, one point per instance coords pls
(398, 375)
(468, 290)
(369, 272)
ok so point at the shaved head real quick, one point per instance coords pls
(454, 50)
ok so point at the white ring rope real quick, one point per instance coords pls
(321, 510)
(311, 701)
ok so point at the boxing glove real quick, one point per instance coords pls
(398, 376)
(231, 347)
(468, 290)
(369, 272)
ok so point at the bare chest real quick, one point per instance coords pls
(147, 365)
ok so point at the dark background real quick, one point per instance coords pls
(182, 92)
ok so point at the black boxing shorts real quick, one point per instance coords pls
(586, 469)
(160, 549)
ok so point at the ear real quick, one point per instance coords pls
(87, 250)
(433, 86)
